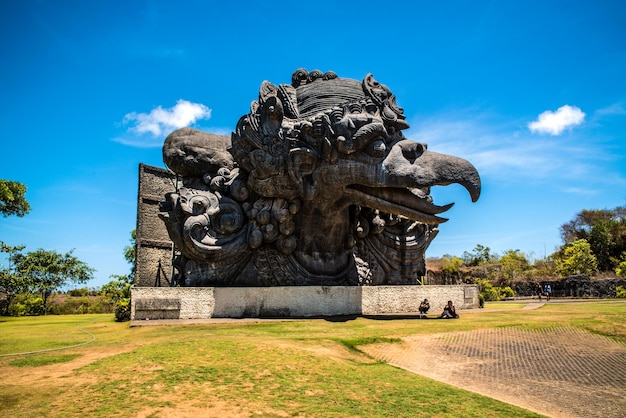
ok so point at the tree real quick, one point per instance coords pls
(600, 243)
(576, 258)
(10, 281)
(480, 255)
(118, 290)
(603, 229)
(12, 198)
(580, 226)
(130, 254)
(543, 268)
(513, 264)
(452, 264)
(50, 270)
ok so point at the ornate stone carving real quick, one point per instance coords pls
(317, 186)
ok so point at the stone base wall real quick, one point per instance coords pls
(293, 301)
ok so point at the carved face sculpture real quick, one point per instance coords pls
(322, 188)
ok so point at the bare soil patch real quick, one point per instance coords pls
(44, 375)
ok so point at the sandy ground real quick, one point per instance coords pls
(558, 372)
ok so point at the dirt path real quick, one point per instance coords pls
(60, 373)
(558, 372)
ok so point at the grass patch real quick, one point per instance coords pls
(504, 305)
(33, 333)
(36, 361)
(293, 368)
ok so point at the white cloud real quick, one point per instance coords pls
(500, 150)
(554, 123)
(162, 121)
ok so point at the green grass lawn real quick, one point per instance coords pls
(272, 368)
(503, 305)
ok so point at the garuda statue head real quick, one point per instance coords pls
(317, 186)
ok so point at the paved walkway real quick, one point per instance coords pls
(558, 372)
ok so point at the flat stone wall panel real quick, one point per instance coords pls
(193, 303)
(286, 301)
(154, 246)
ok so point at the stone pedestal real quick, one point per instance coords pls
(293, 301)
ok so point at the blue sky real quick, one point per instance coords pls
(533, 93)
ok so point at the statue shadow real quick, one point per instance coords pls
(346, 318)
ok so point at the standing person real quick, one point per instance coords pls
(449, 311)
(547, 289)
(539, 290)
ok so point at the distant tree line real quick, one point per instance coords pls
(31, 280)
(594, 242)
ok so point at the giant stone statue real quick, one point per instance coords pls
(317, 186)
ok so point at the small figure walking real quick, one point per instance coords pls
(539, 290)
(547, 289)
(449, 311)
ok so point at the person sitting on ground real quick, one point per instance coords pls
(424, 307)
(449, 311)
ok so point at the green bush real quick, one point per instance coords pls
(620, 292)
(26, 304)
(620, 270)
(70, 305)
(506, 292)
(489, 292)
(83, 291)
(122, 310)
(101, 305)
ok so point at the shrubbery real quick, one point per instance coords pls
(122, 310)
(489, 292)
(620, 270)
(68, 304)
(26, 304)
